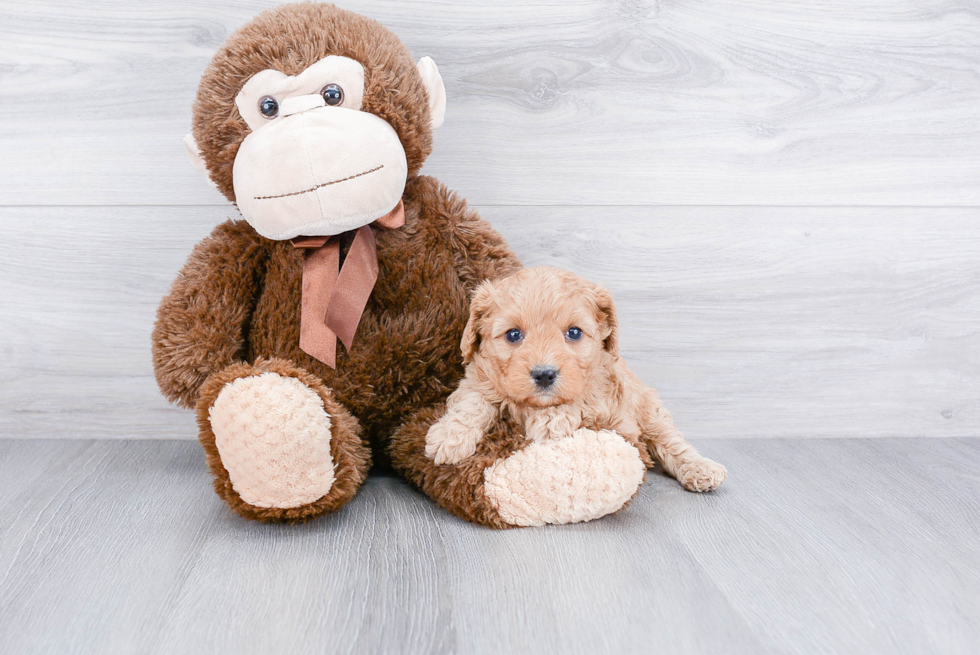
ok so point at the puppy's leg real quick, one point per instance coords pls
(679, 458)
(455, 436)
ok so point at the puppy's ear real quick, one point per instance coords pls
(479, 306)
(606, 317)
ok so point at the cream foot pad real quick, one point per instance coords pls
(577, 478)
(273, 436)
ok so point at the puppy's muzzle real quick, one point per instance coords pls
(544, 376)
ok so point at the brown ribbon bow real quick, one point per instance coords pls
(333, 297)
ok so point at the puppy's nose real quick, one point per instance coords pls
(544, 376)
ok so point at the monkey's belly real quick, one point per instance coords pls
(402, 359)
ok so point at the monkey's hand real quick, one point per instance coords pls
(200, 326)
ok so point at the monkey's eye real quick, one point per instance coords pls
(573, 333)
(332, 94)
(514, 335)
(269, 106)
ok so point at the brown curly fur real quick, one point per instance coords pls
(237, 299)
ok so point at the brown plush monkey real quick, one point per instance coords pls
(315, 121)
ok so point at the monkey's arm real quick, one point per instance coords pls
(469, 415)
(201, 323)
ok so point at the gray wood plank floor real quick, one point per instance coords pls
(813, 546)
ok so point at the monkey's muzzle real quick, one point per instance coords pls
(318, 171)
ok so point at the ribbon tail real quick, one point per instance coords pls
(319, 281)
(353, 287)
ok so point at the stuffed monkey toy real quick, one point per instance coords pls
(315, 122)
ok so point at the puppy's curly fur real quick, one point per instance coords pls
(569, 325)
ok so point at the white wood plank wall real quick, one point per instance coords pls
(783, 197)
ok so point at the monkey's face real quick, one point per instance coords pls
(311, 118)
(314, 163)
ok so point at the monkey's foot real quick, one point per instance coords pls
(274, 439)
(280, 447)
(577, 478)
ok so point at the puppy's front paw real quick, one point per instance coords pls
(702, 475)
(450, 442)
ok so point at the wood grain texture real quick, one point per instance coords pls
(818, 546)
(793, 322)
(580, 102)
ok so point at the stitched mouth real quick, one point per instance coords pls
(318, 186)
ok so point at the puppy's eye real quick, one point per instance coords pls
(514, 335)
(332, 94)
(573, 333)
(269, 106)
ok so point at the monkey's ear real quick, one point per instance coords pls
(436, 89)
(479, 306)
(197, 161)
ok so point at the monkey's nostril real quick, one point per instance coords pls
(544, 376)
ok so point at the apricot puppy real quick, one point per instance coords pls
(541, 347)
